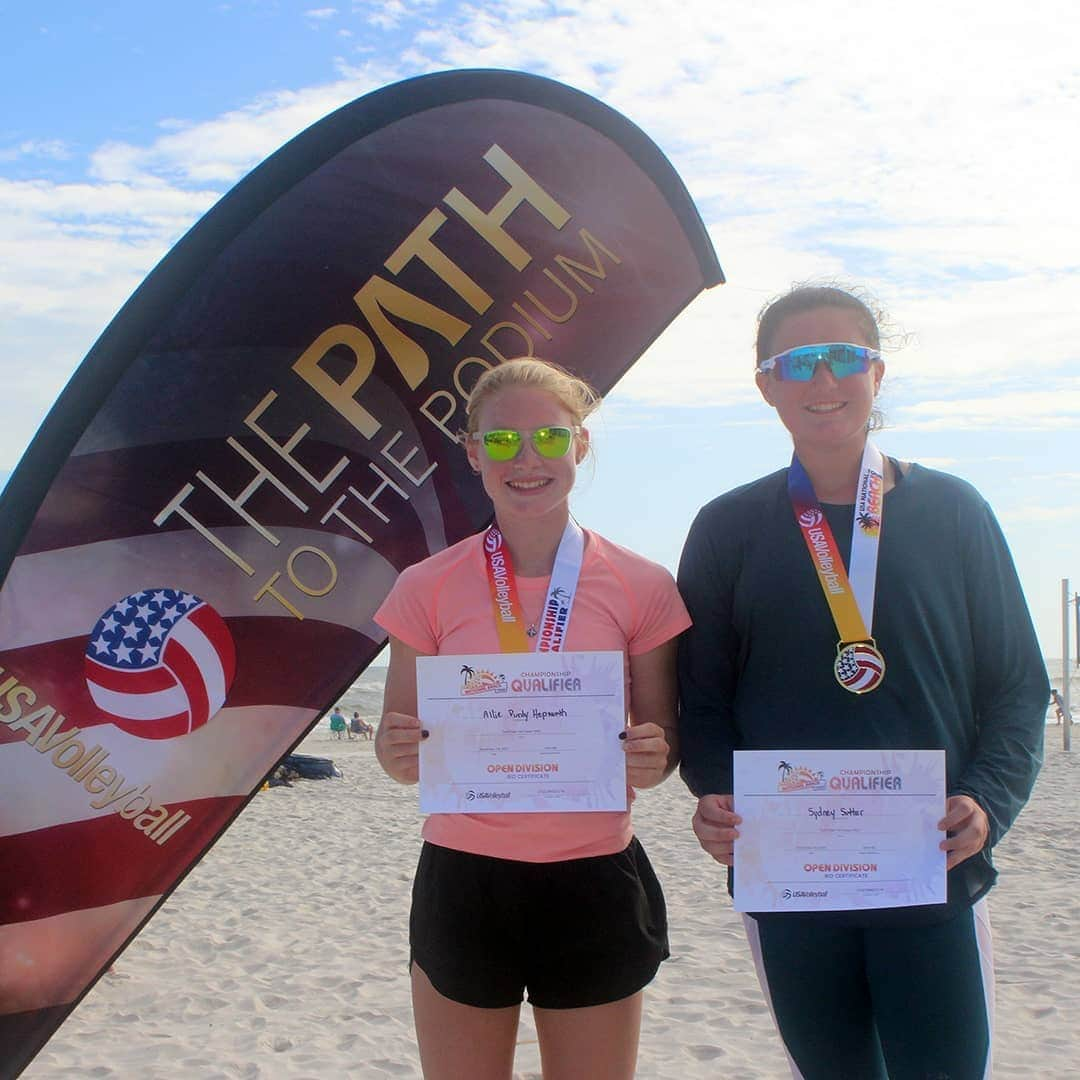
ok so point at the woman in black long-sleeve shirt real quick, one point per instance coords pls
(900, 992)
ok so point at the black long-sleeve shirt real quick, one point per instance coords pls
(963, 668)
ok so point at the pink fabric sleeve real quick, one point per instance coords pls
(660, 612)
(408, 613)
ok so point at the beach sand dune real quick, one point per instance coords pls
(283, 954)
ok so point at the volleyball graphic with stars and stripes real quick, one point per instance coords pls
(159, 663)
(859, 667)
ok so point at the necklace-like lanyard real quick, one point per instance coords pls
(506, 605)
(859, 665)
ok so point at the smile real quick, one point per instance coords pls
(826, 406)
(527, 485)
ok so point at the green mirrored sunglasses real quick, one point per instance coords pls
(504, 444)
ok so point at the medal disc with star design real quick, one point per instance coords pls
(859, 666)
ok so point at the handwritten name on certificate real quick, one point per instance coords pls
(516, 733)
(839, 830)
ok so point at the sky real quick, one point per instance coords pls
(926, 151)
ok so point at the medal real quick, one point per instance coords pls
(859, 666)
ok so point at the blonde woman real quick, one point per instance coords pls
(563, 907)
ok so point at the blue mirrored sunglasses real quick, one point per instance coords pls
(799, 364)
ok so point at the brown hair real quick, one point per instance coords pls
(574, 394)
(808, 297)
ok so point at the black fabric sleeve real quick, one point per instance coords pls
(708, 655)
(1011, 685)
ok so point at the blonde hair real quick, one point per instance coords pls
(574, 394)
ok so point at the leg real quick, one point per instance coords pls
(812, 975)
(459, 1040)
(933, 997)
(598, 1041)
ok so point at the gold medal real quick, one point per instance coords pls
(859, 666)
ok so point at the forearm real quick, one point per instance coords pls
(705, 758)
(1003, 769)
(1011, 687)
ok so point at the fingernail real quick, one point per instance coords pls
(424, 733)
(622, 734)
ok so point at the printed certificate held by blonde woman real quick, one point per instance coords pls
(839, 830)
(522, 732)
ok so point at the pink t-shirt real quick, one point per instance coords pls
(442, 606)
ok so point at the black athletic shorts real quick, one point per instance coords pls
(574, 933)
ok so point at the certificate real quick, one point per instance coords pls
(514, 733)
(839, 830)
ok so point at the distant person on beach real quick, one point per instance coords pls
(361, 727)
(337, 724)
(1059, 705)
(564, 906)
(944, 658)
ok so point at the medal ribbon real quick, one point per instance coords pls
(850, 596)
(506, 604)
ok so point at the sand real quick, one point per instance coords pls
(284, 952)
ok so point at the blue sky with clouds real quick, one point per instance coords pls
(924, 150)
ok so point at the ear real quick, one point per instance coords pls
(581, 446)
(764, 385)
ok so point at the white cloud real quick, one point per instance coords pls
(1055, 478)
(65, 249)
(1053, 409)
(923, 150)
(219, 151)
(944, 463)
(53, 149)
(386, 16)
(1041, 513)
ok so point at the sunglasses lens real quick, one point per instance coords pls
(846, 360)
(799, 365)
(552, 442)
(502, 445)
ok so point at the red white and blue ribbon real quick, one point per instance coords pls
(859, 665)
(506, 605)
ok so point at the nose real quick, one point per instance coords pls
(823, 375)
(525, 456)
(528, 451)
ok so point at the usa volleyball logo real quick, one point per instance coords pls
(859, 667)
(809, 518)
(160, 663)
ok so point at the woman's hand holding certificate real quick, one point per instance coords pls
(526, 732)
(397, 746)
(839, 830)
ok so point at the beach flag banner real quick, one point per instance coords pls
(264, 437)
